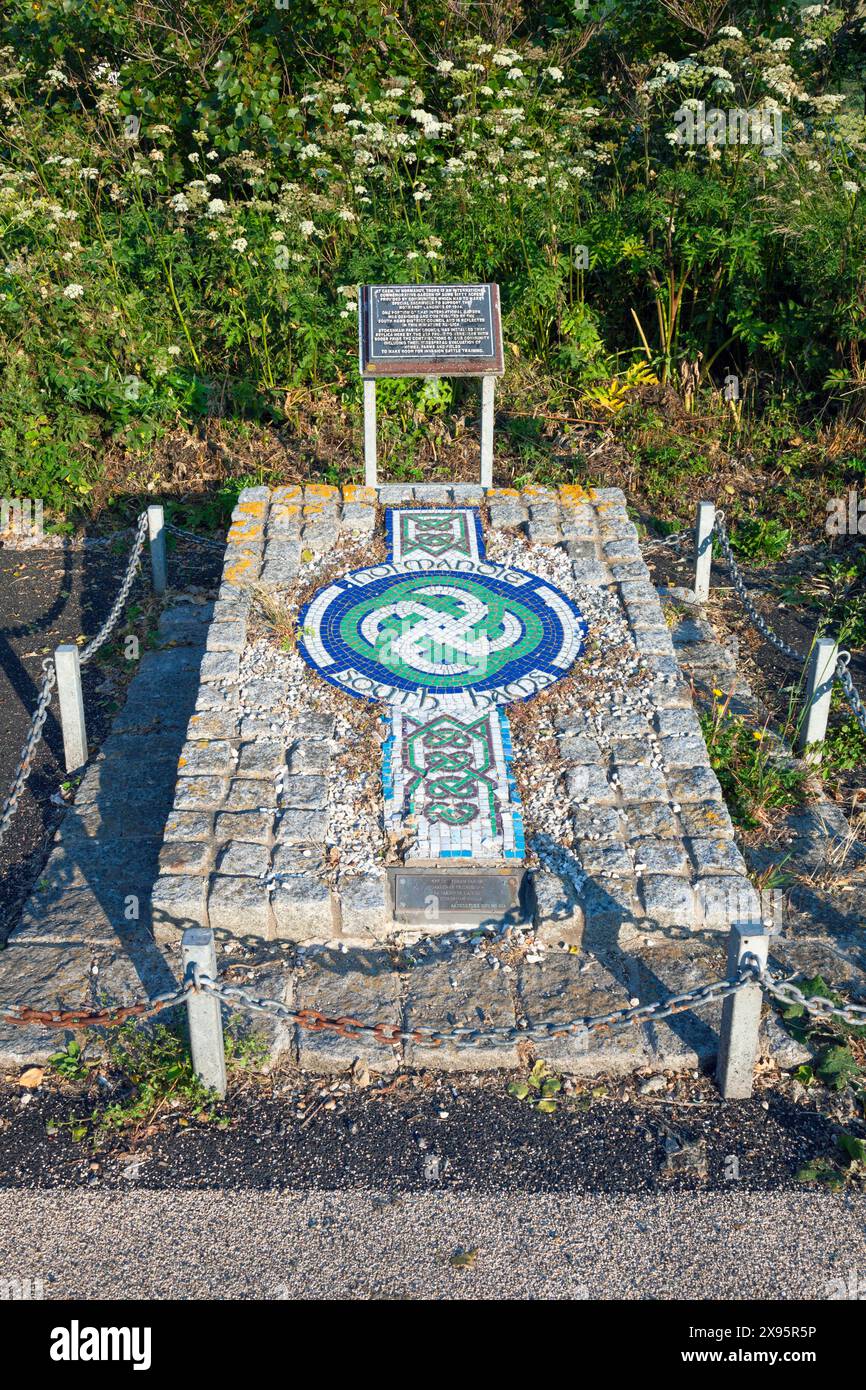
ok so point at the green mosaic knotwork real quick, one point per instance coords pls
(450, 761)
(433, 533)
(441, 631)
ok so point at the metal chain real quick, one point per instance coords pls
(123, 593)
(23, 1016)
(348, 1027)
(675, 540)
(816, 1005)
(843, 676)
(193, 536)
(237, 996)
(740, 590)
(34, 734)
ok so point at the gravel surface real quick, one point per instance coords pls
(370, 1245)
(422, 1132)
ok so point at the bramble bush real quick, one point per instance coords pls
(190, 192)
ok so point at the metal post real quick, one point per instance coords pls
(68, 669)
(706, 520)
(156, 533)
(820, 673)
(203, 1011)
(488, 385)
(370, 470)
(741, 1014)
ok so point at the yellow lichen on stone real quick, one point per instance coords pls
(289, 492)
(353, 492)
(235, 572)
(574, 495)
(252, 508)
(321, 492)
(502, 494)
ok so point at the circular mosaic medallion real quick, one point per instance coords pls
(476, 630)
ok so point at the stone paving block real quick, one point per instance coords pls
(205, 756)
(309, 757)
(716, 854)
(557, 913)
(659, 856)
(250, 794)
(674, 722)
(359, 519)
(606, 857)
(177, 901)
(506, 515)
(578, 748)
(611, 908)
(244, 859)
(218, 724)
(227, 637)
(668, 900)
(261, 758)
(724, 899)
(694, 784)
(188, 825)
(253, 826)
(238, 905)
(220, 666)
(593, 822)
(200, 793)
(364, 904)
(362, 986)
(214, 699)
(282, 558)
(303, 909)
(185, 857)
(433, 492)
(467, 494)
(460, 992)
(297, 859)
(639, 785)
(683, 751)
(706, 818)
(629, 751)
(319, 726)
(589, 783)
(590, 573)
(305, 792)
(391, 494)
(264, 693)
(296, 826)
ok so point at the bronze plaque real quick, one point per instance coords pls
(430, 330)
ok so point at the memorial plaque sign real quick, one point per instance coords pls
(430, 330)
(438, 897)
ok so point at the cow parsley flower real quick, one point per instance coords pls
(73, 291)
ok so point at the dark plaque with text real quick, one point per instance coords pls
(427, 897)
(430, 330)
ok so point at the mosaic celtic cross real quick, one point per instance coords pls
(446, 639)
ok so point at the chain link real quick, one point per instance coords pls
(741, 592)
(843, 676)
(816, 1005)
(185, 535)
(34, 734)
(123, 593)
(238, 997)
(675, 540)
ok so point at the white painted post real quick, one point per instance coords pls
(203, 1011)
(68, 668)
(741, 1014)
(370, 469)
(816, 700)
(488, 385)
(704, 523)
(156, 535)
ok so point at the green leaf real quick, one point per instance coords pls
(547, 1107)
(854, 1148)
(837, 1067)
(518, 1089)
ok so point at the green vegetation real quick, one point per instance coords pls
(191, 191)
(756, 777)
